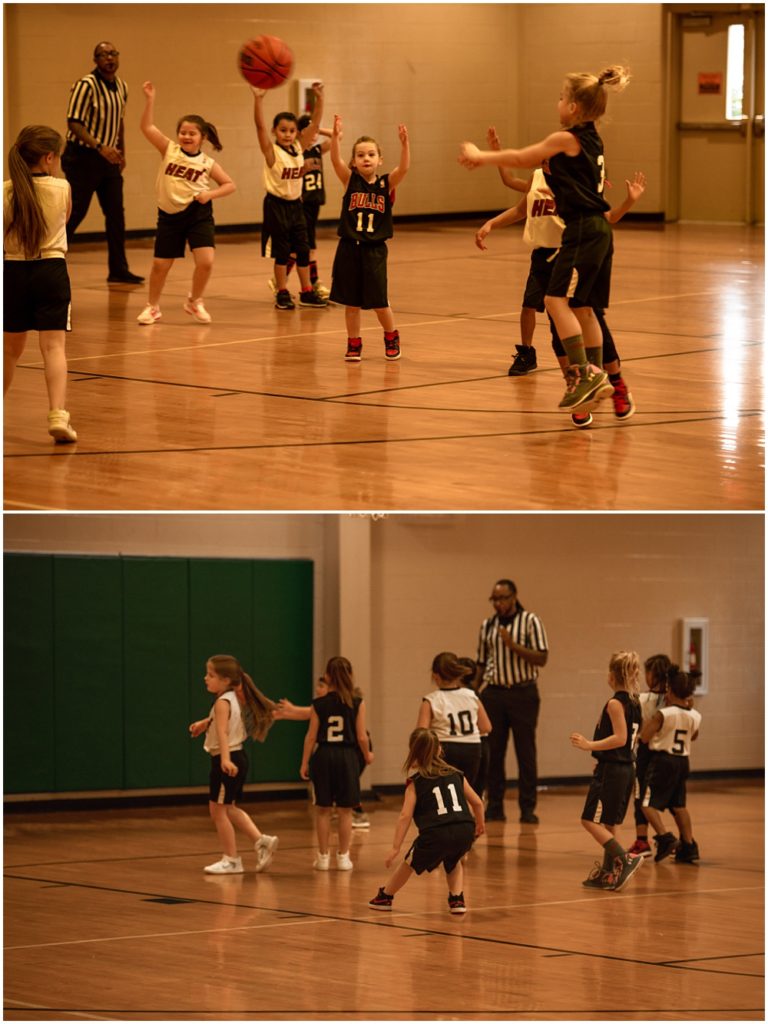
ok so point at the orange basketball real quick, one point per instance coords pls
(265, 61)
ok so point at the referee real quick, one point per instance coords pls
(94, 157)
(511, 650)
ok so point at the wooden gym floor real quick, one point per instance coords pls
(109, 916)
(259, 410)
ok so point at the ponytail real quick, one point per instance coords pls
(207, 130)
(24, 215)
(589, 92)
(256, 708)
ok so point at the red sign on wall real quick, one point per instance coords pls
(710, 83)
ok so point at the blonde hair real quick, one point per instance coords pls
(339, 674)
(624, 666)
(425, 756)
(589, 92)
(24, 217)
(257, 709)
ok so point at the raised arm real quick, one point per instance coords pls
(148, 127)
(510, 180)
(531, 156)
(396, 176)
(635, 189)
(313, 128)
(343, 173)
(265, 141)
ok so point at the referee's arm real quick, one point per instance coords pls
(538, 658)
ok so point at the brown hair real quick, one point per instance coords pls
(206, 128)
(448, 667)
(682, 684)
(589, 92)
(363, 138)
(657, 667)
(25, 219)
(257, 709)
(625, 668)
(425, 755)
(339, 673)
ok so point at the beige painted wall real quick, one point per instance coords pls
(429, 580)
(446, 70)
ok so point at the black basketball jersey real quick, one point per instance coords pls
(366, 210)
(338, 721)
(577, 181)
(313, 185)
(440, 800)
(633, 718)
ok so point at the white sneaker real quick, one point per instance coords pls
(265, 847)
(196, 309)
(344, 862)
(149, 315)
(226, 866)
(360, 820)
(59, 427)
(322, 862)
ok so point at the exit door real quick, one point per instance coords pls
(719, 132)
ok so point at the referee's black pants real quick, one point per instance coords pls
(515, 708)
(88, 172)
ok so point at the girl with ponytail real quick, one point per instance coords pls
(239, 710)
(185, 214)
(37, 203)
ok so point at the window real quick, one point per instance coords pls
(734, 77)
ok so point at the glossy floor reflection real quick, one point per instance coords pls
(259, 410)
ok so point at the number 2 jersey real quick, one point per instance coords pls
(577, 181)
(366, 210)
(338, 721)
(440, 800)
(604, 729)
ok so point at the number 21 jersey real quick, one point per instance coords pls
(439, 800)
(366, 210)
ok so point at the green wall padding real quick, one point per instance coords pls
(109, 655)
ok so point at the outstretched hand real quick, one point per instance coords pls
(402, 133)
(149, 90)
(494, 142)
(636, 186)
(469, 155)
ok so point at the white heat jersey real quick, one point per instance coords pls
(454, 714)
(53, 194)
(676, 732)
(181, 177)
(543, 228)
(237, 732)
(283, 178)
(650, 703)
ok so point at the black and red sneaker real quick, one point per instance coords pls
(456, 904)
(354, 351)
(382, 901)
(392, 345)
(623, 405)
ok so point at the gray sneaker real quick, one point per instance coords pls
(623, 869)
(265, 847)
(583, 384)
(598, 878)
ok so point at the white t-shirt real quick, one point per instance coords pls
(676, 732)
(454, 714)
(54, 197)
(543, 228)
(237, 732)
(650, 703)
(283, 178)
(181, 177)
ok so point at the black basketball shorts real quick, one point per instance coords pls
(335, 775)
(36, 295)
(284, 230)
(444, 845)
(194, 225)
(311, 214)
(360, 274)
(582, 269)
(665, 778)
(542, 262)
(223, 788)
(609, 792)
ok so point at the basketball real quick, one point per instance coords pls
(265, 61)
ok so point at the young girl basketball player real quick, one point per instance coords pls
(438, 798)
(336, 730)
(581, 275)
(185, 213)
(613, 746)
(656, 670)
(239, 710)
(284, 227)
(36, 206)
(455, 715)
(360, 265)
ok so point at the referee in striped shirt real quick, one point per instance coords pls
(94, 157)
(511, 650)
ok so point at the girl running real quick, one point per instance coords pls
(185, 213)
(37, 203)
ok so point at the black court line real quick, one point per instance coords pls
(377, 923)
(565, 430)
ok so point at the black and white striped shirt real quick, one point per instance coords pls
(100, 106)
(503, 667)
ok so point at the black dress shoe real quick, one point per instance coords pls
(529, 818)
(125, 278)
(494, 813)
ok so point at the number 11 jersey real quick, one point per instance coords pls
(440, 800)
(366, 210)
